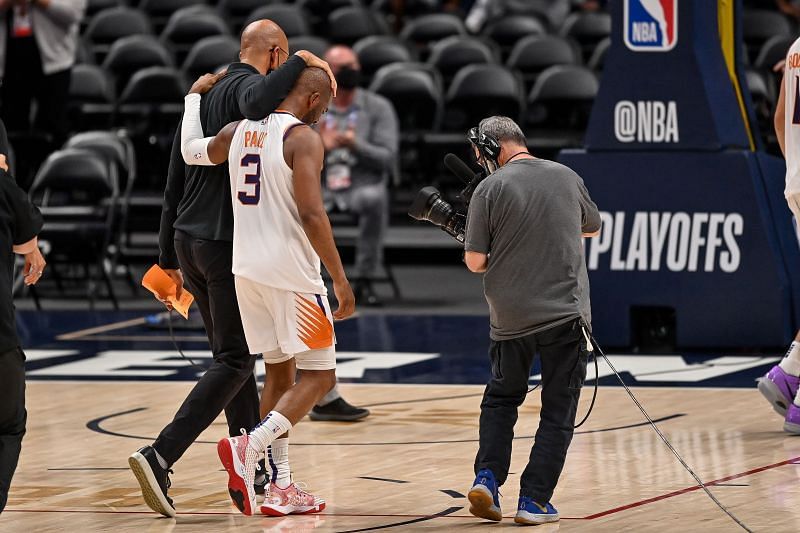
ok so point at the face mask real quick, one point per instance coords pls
(348, 78)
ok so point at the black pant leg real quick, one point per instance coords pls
(232, 365)
(564, 355)
(12, 417)
(505, 392)
(52, 96)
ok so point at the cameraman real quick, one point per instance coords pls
(524, 228)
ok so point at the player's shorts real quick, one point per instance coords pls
(283, 325)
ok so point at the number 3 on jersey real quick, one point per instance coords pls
(249, 192)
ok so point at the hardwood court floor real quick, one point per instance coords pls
(411, 461)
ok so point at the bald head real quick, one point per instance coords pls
(310, 95)
(264, 45)
(340, 56)
(313, 80)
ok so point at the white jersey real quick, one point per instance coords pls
(269, 244)
(791, 80)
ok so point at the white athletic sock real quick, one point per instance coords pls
(273, 426)
(278, 457)
(791, 361)
(161, 461)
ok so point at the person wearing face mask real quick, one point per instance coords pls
(196, 238)
(360, 133)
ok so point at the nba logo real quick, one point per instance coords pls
(651, 25)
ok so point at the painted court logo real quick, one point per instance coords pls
(651, 25)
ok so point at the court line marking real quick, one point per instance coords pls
(691, 489)
(94, 425)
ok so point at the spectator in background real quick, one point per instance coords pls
(360, 134)
(38, 42)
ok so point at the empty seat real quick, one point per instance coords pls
(112, 146)
(479, 91)
(598, 59)
(208, 54)
(114, 23)
(187, 26)
(153, 86)
(377, 51)
(427, 28)
(562, 98)
(316, 45)
(415, 92)
(292, 19)
(773, 51)
(91, 98)
(160, 11)
(347, 25)
(508, 30)
(93, 6)
(759, 25)
(133, 53)
(536, 53)
(453, 53)
(588, 29)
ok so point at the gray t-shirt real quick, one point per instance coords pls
(529, 216)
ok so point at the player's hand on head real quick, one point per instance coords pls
(205, 82)
(346, 298)
(314, 61)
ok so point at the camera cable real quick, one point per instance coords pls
(178, 348)
(664, 438)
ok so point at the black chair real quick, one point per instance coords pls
(292, 19)
(149, 108)
(536, 53)
(760, 25)
(453, 53)
(237, 11)
(77, 192)
(588, 29)
(347, 25)
(377, 51)
(160, 11)
(114, 23)
(117, 148)
(547, 11)
(479, 91)
(187, 26)
(561, 100)
(507, 31)
(133, 53)
(84, 54)
(415, 91)
(210, 53)
(773, 51)
(598, 59)
(95, 6)
(316, 45)
(91, 98)
(423, 30)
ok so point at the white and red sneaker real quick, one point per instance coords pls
(291, 500)
(240, 461)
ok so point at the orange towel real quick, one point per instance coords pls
(161, 285)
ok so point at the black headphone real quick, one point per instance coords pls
(486, 144)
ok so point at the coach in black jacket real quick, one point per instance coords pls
(196, 243)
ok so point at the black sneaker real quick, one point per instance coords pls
(338, 411)
(153, 480)
(261, 480)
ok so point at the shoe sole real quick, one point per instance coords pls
(154, 498)
(482, 504)
(237, 488)
(281, 510)
(774, 395)
(790, 427)
(530, 519)
(336, 418)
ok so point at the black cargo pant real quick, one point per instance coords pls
(229, 383)
(12, 416)
(563, 352)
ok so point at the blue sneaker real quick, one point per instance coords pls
(484, 497)
(531, 513)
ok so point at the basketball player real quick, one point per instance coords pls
(281, 231)
(780, 385)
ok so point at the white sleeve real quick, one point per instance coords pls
(194, 147)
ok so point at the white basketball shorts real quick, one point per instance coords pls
(283, 325)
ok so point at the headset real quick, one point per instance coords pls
(488, 148)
